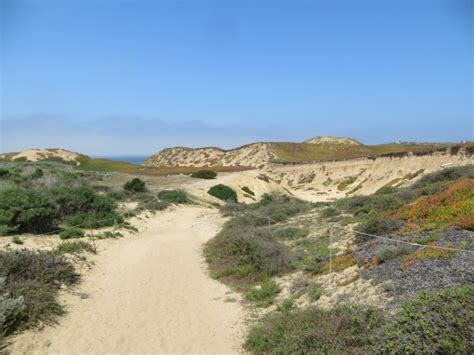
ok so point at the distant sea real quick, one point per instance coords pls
(135, 159)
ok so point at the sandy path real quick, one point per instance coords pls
(148, 294)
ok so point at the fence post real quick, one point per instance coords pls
(331, 231)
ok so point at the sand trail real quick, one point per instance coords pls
(148, 293)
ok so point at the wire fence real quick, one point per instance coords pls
(334, 226)
(270, 221)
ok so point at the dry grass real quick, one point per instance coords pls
(106, 165)
(298, 152)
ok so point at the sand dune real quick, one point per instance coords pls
(148, 293)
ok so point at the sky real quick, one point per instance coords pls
(106, 77)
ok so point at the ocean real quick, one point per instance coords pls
(135, 159)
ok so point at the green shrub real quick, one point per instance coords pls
(290, 233)
(17, 240)
(25, 264)
(314, 291)
(378, 226)
(286, 305)
(38, 173)
(236, 247)
(110, 235)
(4, 173)
(26, 210)
(386, 190)
(344, 329)
(223, 192)
(20, 159)
(265, 294)
(84, 207)
(173, 196)
(204, 174)
(247, 243)
(135, 185)
(30, 281)
(246, 189)
(445, 175)
(329, 212)
(11, 311)
(437, 322)
(74, 247)
(266, 199)
(71, 233)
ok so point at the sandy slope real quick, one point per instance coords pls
(148, 293)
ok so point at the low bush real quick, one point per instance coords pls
(75, 247)
(30, 281)
(223, 192)
(110, 235)
(236, 249)
(290, 233)
(17, 240)
(437, 322)
(263, 295)
(344, 329)
(71, 233)
(329, 212)
(135, 185)
(386, 190)
(204, 174)
(38, 173)
(314, 291)
(377, 226)
(173, 196)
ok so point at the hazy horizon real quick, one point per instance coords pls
(116, 78)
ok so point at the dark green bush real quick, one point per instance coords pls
(173, 196)
(4, 173)
(84, 207)
(71, 233)
(378, 226)
(386, 190)
(329, 212)
(38, 173)
(204, 174)
(266, 199)
(26, 210)
(20, 159)
(445, 175)
(135, 185)
(223, 192)
(246, 189)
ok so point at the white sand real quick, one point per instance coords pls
(148, 293)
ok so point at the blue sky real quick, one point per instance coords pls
(131, 77)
